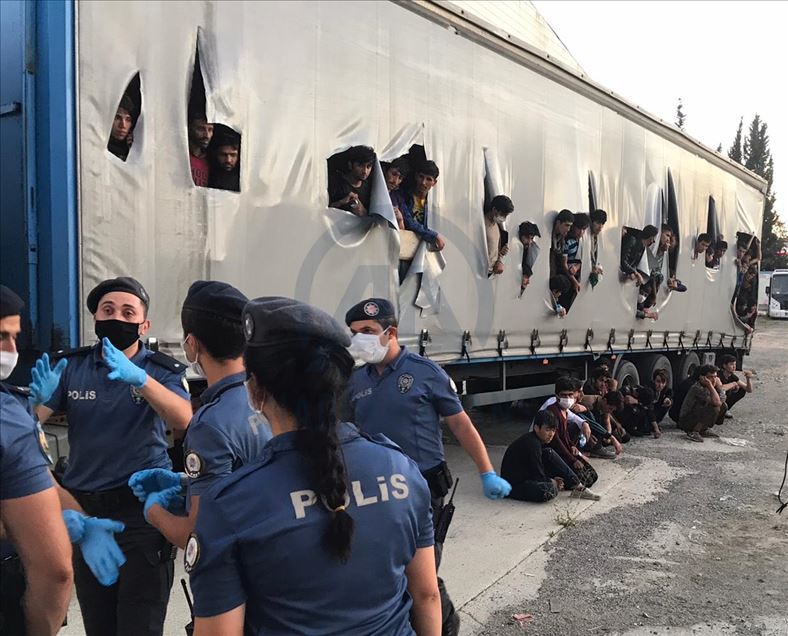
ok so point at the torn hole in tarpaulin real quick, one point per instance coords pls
(494, 184)
(426, 263)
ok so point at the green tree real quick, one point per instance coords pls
(758, 158)
(735, 151)
(680, 116)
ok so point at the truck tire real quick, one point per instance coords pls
(627, 374)
(685, 365)
(649, 364)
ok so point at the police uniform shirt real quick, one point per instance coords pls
(259, 538)
(112, 430)
(405, 404)
(24, 463)
(224, 434)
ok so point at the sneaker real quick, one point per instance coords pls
(708, 434)
(584, 493)
(695, 437)
(603, 453)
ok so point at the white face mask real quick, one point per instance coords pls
(194, 366)
(261, 420)
(566, 403)
(366, 347)
(8, 361)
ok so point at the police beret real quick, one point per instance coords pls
(121, 284)
(528, 229)
(215, 297)
(269, 319)
(10, 303)
(370, 309)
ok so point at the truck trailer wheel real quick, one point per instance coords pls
(627, 374)
(650, 364)
(685, 365)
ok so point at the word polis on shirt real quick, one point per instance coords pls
(395, 487)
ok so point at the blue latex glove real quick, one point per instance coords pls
(146, 482)
(495, 487)
(97, 542)
(120, 367)
(170, 499)
(45, 379)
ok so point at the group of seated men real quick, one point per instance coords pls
(593, 420)
(214, 149)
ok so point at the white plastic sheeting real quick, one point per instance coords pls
(302, 80)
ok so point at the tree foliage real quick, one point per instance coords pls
(754, 153)
(681, 117)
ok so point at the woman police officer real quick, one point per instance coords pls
(330, 531)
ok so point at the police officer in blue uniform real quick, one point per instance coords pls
(35, 572)
(118, 395)
(403, 396)
(330, 532)
(224, 433)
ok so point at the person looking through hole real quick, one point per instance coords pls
(349, 187)
(497, 238)
(121, 135)
(200, 135)
(225, 168)
(395, 173)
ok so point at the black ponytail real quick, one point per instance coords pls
(307, 377)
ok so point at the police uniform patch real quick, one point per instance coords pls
(192, 463)
(371, 309)
(191, 554)
(248, 326)
(42, 442)
(136, 395)
(404, 382)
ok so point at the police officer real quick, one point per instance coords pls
(330, 531)
(224, 433)
(118, 395)
(403, 396)
(31, 510)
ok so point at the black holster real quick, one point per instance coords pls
(439, 480)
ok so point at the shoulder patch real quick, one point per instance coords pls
(192, 464)
(42, 442)
(168, 362)
(67, 353)
(192, 553)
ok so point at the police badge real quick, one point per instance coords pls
(136, 395)
(404, 382)
(191, 554)
(42, 442)
(371, 309)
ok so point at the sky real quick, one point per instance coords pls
(725, 60)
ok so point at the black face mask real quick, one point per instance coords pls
(121, 334)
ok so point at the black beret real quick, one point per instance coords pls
(215, 297)
(528, 229)
(370, 309)
(268, 319)
(121, 284)
(10, 303)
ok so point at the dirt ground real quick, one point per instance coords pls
(709, 555)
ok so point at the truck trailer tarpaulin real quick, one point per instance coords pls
(303, 81)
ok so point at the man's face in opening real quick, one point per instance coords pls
(525, 282)
(359, 171)
(719, 252)
(562, 229)
(200, 133)
(122, 306)
(740, 252)
(596, 228)
(526, 240)
(660, 384)
(424, 183)
(393, 178)
(577, 232)
(10, 327)
(703, 246)
(544, 433)
(650, 241)
(227, 157)
(121, 125)
(665, 240)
